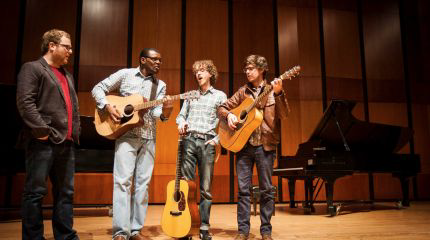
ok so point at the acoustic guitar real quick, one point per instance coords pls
(129, 107)
(181, 216)
(248, 116)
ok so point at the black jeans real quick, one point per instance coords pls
(195, 152)
(45, 159)
(244, 166)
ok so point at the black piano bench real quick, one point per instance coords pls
(255, 197)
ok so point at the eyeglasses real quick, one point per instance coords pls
(67, 47)
(154, 59)
(245, 69)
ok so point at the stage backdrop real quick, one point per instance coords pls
(372, 52)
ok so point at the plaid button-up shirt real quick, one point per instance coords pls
(128, 82)
(201, 114)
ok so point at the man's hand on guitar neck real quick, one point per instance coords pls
(167, 107)
(232, 121)
(277, 85)
(114, 114)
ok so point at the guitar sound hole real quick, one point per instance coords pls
(128, 110)
(243, 115)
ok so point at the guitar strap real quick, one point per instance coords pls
(263, 101)
(153, 88)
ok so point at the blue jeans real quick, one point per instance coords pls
(134, 161)
(195, 152)
(244, 166)
(57, 161)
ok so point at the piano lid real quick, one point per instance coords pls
(357, 135)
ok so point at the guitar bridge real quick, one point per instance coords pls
(175, 213)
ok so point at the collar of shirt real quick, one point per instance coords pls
(255, 91)
(207, 91)
(138, 72)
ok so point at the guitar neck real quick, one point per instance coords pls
(178, 165)
(157, 102)
(286, 75)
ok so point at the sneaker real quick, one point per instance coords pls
(241, 236)
(186, 238)
(204, 235)
(267, 237)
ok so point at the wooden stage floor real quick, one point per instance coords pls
(354, 222)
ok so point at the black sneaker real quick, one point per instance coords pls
(186, 238)
(204, 235)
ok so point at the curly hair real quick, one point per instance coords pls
(53, 35)
(207, 65)
(259, 62)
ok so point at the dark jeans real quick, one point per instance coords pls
(244, 166)
(45, 159)
(195, 152)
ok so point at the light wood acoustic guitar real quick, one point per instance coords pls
(249, 118)
(181, 216)
(129, 107)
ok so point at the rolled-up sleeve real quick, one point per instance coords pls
(107, 85)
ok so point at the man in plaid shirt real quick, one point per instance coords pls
(197, 122)
(135, 150)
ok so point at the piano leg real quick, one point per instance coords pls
(404, 181)
(280, 198)
(309, 195)
(329, 189)
(292, 191)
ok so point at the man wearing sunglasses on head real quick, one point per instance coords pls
(135, 150)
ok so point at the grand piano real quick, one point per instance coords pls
(342, 145)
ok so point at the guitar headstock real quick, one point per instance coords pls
(293, 72)
(190, 95)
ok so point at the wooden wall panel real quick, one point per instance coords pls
(421, 116)
(103, 41)
(90, 188)
(167, 139)
(42, 16)
(309, 52)
(288, 41)
(353, 187)
(9, 26)
(87, 105)
(342, 52)
(253, 34)
(206, 38)
(206, 33)
(157, 24)
(382, 37)
(93, 188)
(423, 189)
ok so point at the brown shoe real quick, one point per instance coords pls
(119, 237)
(138, 236)
(241, 236)
(267, 237)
